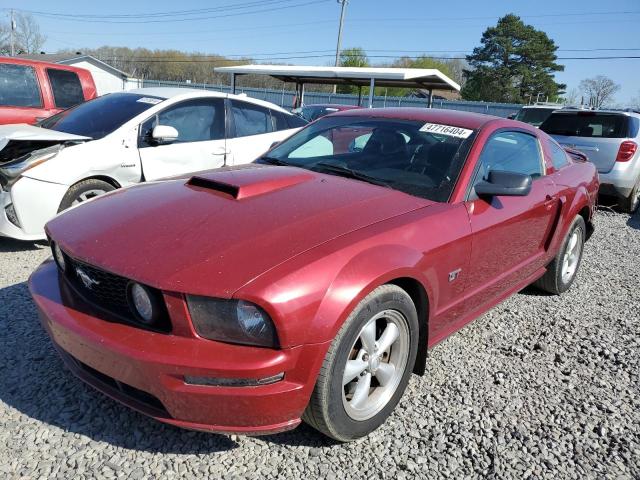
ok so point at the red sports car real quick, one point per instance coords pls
(310, 284)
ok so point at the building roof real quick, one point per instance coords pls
(428, 78)
(67, 59)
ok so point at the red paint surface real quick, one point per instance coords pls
(11, 114)
(307, 248)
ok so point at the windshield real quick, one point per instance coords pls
(534, 116)
(100, 116)
(587, 124)
(407, 155)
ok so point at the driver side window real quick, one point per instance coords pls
(196, 120)
(516, 152)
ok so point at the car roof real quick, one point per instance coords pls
(33, 63)
(455, 118)
(173, 92)
(340, 106)
(585, 112)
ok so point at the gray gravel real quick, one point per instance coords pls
(540, 387)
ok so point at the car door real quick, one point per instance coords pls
(253, 131)
(509, 233)
(200, 145)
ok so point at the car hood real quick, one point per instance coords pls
(214, 232)
(22, 139)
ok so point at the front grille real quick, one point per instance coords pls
(109, 292)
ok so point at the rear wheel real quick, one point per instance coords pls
(367, 367)
(83, 191)
(630, 204)
(563, 269)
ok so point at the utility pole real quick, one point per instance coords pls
(13, 27)
(343, 5)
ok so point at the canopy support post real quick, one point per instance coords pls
(233, 83)
(360, 95)
(372, 87)
(430, 101)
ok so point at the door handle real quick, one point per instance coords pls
(220, 151)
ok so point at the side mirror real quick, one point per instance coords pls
(274, 144)
(511, 116)
(164, 134)
(509, 184)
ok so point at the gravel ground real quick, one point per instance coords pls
(540, 387)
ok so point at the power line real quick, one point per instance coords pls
(226, 15)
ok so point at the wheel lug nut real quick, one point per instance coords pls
(365, 357)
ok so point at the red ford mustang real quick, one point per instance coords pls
(310, 284)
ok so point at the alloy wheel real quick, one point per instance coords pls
(571, 256)
(88, 195)
(376, 364)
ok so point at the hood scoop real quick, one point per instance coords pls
(249, 182)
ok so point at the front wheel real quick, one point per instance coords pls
(563, 269)
(367, 367)
(83, 191)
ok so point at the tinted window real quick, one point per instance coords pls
(195, 120)
(250, 119)
(558, 156)
(511, 152)
(19, 86)
(295, 121)
(101, 116)
(533, 116)
(279, 120)
(587, 124)
(67, 90)
(395, 153)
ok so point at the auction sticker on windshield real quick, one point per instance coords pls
(151, 100)
(446, 130)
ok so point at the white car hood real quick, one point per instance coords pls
(24, 132)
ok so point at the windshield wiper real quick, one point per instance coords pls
(274, 161)
(349, 173)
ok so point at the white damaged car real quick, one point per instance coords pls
(125, 138)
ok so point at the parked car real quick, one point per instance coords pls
(309, 285)
(610, 140)
(124, 138)
(535, 114)
(313, 112)
(31, 91)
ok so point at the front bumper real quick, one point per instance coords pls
(35, 203)
(145, 370)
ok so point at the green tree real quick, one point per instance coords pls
(515, 63)
(352, 57)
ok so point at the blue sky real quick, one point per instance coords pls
(380, 27)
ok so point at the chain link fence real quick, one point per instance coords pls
(285, 98)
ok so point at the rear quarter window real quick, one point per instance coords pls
(558, 156)
(66, 87)
(587, 124)
(19, 86)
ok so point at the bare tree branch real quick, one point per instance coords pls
(599, 90)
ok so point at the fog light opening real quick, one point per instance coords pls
(233, 382)
(11, 214)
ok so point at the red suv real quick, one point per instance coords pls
(31, 90)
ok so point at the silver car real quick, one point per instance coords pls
(610, 139)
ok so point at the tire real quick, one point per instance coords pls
(83, 191)
(342, 413)
(558, 278)
(630, 204)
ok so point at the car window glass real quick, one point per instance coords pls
(511, 152)
(398, 153)
(19, 86)
(558, 156)
(250, 119)
(195, 120)
(587, 124)
(66, 87)
(295, 121)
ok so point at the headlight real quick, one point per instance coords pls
(58, 256)
(233, 321)
(146, 304)
(11, 171)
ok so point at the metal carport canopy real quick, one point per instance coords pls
(427, 78)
